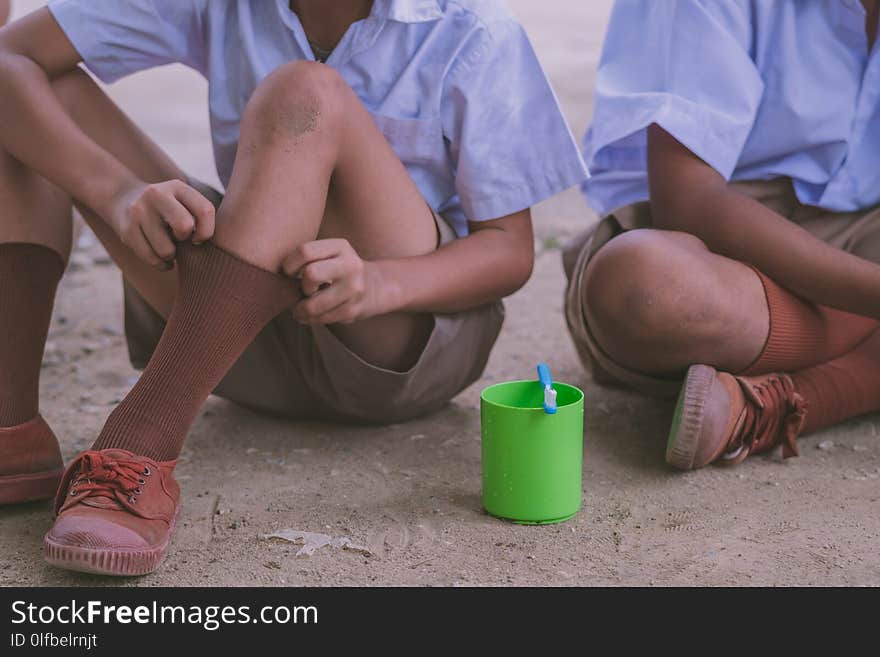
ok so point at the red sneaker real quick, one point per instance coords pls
(30, 462)
(116, 513)
(721, 418)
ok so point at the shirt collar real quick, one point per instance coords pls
(407, 11)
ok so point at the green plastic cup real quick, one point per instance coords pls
(532, 461)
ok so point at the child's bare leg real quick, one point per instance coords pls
(32, 210)
(4, 12)
(312, 163)
(659, 301)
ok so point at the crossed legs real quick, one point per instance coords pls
(659, 302)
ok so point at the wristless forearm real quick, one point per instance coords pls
(468, 273)
(745, 230)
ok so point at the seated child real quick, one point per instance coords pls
(376, 212)
(735, 161)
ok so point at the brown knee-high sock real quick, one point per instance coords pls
(803, 334)
(29, 275)
(845, 387)
(222, 305)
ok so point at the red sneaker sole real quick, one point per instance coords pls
(17, 489)
(119, 563)
(684, 435)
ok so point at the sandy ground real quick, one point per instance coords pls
(411, 493)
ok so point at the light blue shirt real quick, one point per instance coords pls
(756, 88)
(455, 86)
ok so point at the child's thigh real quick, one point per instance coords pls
(373, 201)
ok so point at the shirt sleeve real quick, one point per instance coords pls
(683, 64)
(116, 38)
(509, 142)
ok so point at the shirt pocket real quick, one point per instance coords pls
(416, 141)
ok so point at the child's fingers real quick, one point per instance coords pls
(159, 240)
(317, 274)
(137, 241)
(200, 208)
(311, 288)
(310, 309)
(173, 213)
(310, 252)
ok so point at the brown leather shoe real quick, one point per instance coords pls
(30, 462)
(721, 418)
(116, 513)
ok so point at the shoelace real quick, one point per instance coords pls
(775, 414)
(104, 476)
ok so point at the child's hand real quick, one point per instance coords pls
(339, 287)
(148, 218)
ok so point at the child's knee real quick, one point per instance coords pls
(632, 288)
(296, 99)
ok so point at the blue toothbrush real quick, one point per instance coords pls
(549, 392)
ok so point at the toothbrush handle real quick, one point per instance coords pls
(544, 375)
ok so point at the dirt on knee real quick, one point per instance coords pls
(294, 100)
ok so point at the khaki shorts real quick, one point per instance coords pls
(855, 232)
(305, 372)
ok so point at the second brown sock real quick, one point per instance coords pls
(803, 334)
(222, 305)
(842, 388)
